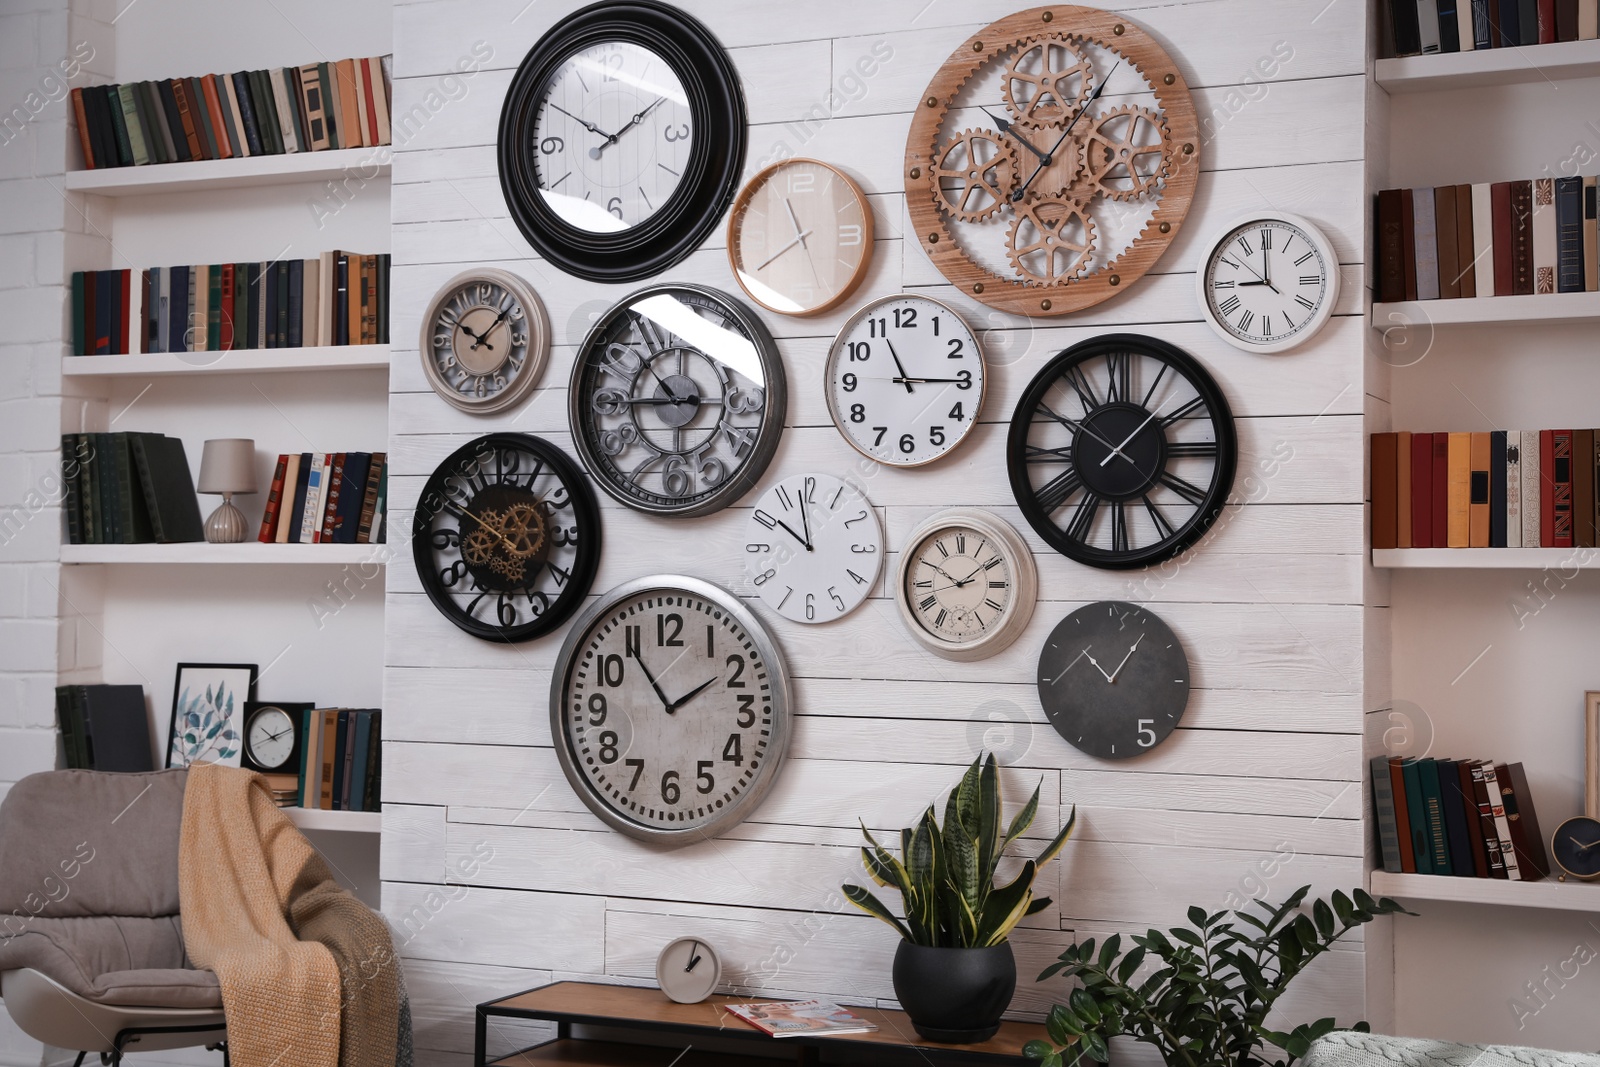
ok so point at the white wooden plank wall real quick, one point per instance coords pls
(1257, 794)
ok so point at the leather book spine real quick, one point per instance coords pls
(218, 123)
(269, 517)
(332, 493)
(144, 311)
(1482, 34)
(1483, 239)
(1547, 21)
(82, 120)
(296, 309)
(1532, 860)
(232, 117)
(169, 106)
(1569, 235)
(297, 510)
(154, 147)
(346, 514)
(351, 132)
(1498, 495)
(105, 301)
(369, 299)
(1493, 777)
(119, 129)
(130, 121)
(369, 499)
(214, 308)
(1478, 491)
(1561, 488)
(1403, 22)
(1591, 233)
(1384, 816)
(356, 287)
(1449, 26)
(369, 112)
(1385, 491)
(151, 92)
(225, 333)
(1477, 856)
(1566, 20)
(311, 511)
(380, 97)
(1458, 487)
(1532, 456)
(1391, 260)
(1454, 807)
(1466, 265)
(247, 113)
(186, 118)
(1408, 241)
(1522, 238)
(1445, 237)
(1504, 255)
(1428, 24)
(1441, 490)
(124, 307)
(1588, 19)
(200, 111)
(330, 753)
(330, 104)
(78, 330)
(1528, 13)
(341, 299)
(1594, 484)
(1544, 235)
(311, 102)
(1433, 808)
(281, 274)
(291, 84)
(1583, 488)
(1486, 828)
(1402, 816)
(1425, 231)
(1422, 490)
(1547, 489)
(291, 482)
(1403, 489)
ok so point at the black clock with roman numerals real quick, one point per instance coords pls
(1122, 451)
(506, 537)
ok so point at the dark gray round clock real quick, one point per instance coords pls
(1113, 679)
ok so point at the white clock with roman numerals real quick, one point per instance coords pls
(813, 548)
(966, 584)
(1269, 282)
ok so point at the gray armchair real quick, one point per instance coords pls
(91, 948)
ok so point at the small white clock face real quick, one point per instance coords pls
(966, 584)
(613, 136)
(905, 380)
(1269, 284)
(484, 341)
(800, 237)
(813, 548)
(270, 735)
(688, 970)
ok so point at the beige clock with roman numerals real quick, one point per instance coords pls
(485, 341)
(966, 584)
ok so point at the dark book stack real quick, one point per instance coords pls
(337, 498)
(341, 759)
(1462, 818)
(104, 727)
(1425, 27)
(310, 108)
(128, 489)
(100, 311)
(1491, 239)
(339, 298)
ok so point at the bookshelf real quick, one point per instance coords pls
(1548, 894)
(1494, 66)
(1549, 309)
(1563, 559)
(247, 173)
(355, 822)
(250, 552)
(239, 361)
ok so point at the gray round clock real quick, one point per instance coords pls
(1113, 679)
(669, 709)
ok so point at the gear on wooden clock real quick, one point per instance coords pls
(1126, 153)
(1051, 240)
(973, 175)
(1048, 82)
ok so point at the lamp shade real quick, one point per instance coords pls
(228, 465)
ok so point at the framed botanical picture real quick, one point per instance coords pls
(208, 712)
(1591, 754)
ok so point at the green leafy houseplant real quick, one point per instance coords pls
(1206, 1005)
(946, 874)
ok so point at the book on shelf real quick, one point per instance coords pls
(341, 763)
(326, 497)
(227, 116)
(128, 488)
(1457, 818)
(104, 727)
(1426, 27)
(794, 1018)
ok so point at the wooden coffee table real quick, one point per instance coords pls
(631, 1026)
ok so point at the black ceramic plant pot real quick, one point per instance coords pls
(955, 995)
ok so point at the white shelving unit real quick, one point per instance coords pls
(1546, 308)
(250, 552)
(1549, 893)
(1493, 66)
(253, 171)
(238, 361)
(355, 822)
(1487, 558)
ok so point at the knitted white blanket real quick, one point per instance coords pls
(1350, 1049)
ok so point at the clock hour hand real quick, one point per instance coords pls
(1004, 126)
(806, 541)
(666, 705)
(480, 339)
(1102, 670)
(690, 695)
(477, 338)
(611, 139)
(1117, 451)
(903, 379)
(799, 239)
(694, 956)
(795, 222)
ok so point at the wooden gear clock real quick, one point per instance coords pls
(1026, 191)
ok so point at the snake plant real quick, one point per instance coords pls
(946, 874)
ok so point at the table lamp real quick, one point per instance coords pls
(227, 466)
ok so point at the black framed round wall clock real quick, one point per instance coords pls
(677, 400)
(1122, 451)
(621, 140)
(506, 537)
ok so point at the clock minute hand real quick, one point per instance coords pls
(611, 139)
(897, 366)
(1022, 189)
(666, 705)
(1125, 659)
(585, 123)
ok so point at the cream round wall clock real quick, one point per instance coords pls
(485, 340)
(905, 380)
(669, 708)
(800, 237)
(1051, 160)
(814, 548)
(1268, 282)
(966, 584)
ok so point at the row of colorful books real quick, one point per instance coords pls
(1490, 239)
(339, 298)
(1422, 27)
(339, 498)
(128, 489)
(341, 759)
(1495, 489)
(1466, 818)
(310, 108)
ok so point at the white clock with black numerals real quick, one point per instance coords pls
(813, 548)
(905, 380)
(1269, 282)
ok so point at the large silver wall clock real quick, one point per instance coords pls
(677, 400)
(669, 708)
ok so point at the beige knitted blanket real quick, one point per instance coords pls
(308, 973)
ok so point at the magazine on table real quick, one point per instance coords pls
(792, 1018)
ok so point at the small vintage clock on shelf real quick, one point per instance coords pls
(677, 400)
(813, 548)
(1027, 187)
(966, 584)
(688, 970)
(1268, 282)
(669, 708)
(485, 340)
(1575, 846)
(800, 237)
(1122, 451)
(272, 738)
(621, 140)
(506, 537)
(1113, 679)
(905, 380)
